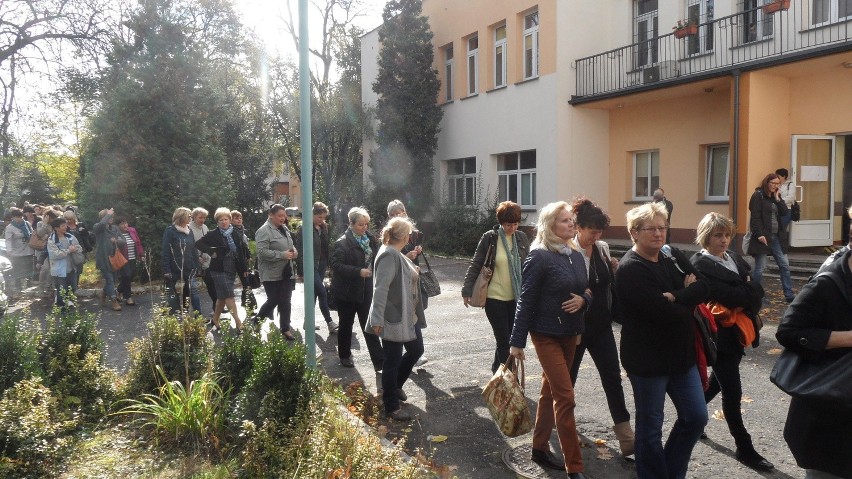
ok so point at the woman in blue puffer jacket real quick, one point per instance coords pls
(554, 297)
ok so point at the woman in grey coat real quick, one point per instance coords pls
(275, 255)
(396, 314)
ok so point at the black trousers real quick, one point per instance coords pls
(726, 379)
(278, 294)
(501, 315)
(398, 367)
(601, 346)
(346, 312)
(210, 284)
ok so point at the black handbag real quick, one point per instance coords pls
(253, 277)
(795, 211)
(828, 380)
(428, 282)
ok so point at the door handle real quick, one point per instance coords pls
(800, 193)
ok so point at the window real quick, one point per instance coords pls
(500, 56)
(716, 175)
(448, 68)
(756, 25)
(830, 11)
(516, 178)
(647, 30)
(472, 64)
(531, 46)
(700, 12)
(461, 181)
(646, 174)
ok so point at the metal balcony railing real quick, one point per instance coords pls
(746, 40)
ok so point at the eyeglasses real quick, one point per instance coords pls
(776, 183)
(651, 229)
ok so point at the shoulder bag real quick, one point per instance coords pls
(253, 278)
(795, 211)
(480, 286)
(428, 281)
(828, 381)
(504, 395)
(37, 242)
(117, 260)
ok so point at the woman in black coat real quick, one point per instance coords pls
(818, 325)
(768, 236)
(228, 253)
(508, 249)
(352, 287)
(727, 275)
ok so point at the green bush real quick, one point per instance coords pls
(71, 354)
(233, 359)
(186, 417)
(279, 383)
(459, 228)
(33, 431)
(180, 348)
(19, 340)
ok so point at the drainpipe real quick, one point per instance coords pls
(735, 148)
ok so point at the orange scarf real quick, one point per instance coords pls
(734, 317)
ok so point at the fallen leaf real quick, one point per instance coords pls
(440, 438)
(382, 431)
(775, 351)
(604, 453)
(747, 400)
(600, 442)
(718, 415)
(408, 429)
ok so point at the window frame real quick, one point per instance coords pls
(833, 15)
(702, 15)
(708, 172)
(500, 67)
(472, 72)
(532, 33)
(448, 73)
(454, 180)
(650, 172)
(518, 173)
(646, 30)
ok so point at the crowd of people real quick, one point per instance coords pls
(562, 290)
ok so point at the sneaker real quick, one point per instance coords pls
(347, 362)
(379, 388)
(399, 415)
(332, 327)
(116, 304)
(420, 362)
(130, 302)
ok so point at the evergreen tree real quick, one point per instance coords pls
(156, 139)
(409, 118)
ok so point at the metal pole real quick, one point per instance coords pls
(307, 252)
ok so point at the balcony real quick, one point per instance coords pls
(747, 40)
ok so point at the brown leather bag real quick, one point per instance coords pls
(117, 260)
(480, 286)
(37, 242)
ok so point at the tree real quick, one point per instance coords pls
(339, 119)
(409, 118)
(156, 139)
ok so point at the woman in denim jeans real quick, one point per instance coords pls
(768, 233)
(656, 296)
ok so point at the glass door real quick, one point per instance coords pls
(813, 177)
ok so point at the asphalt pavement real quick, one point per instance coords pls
(453, 426)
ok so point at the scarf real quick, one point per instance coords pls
(183, 229)
(514, 262)
(25, 228)
(364, 243)
(227, 234)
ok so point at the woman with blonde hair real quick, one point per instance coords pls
(729, 279)
(657, 291)
(227, 259)
(180, 259)
(554, 296)
(396, 314)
